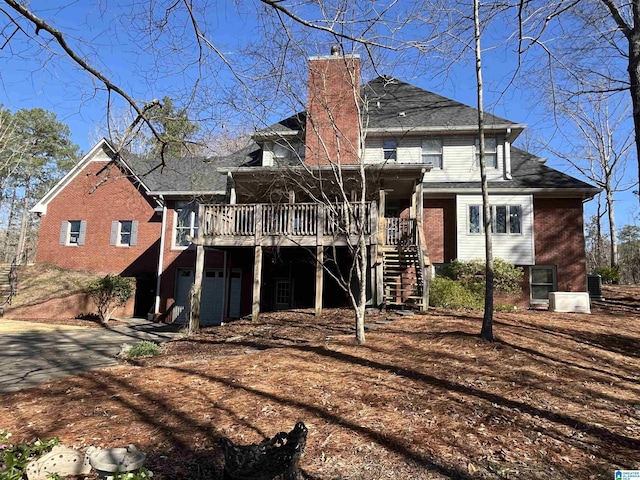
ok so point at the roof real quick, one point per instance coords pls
(393, 105)
(528, 173)
(189, 175)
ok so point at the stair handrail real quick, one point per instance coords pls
(423, 262)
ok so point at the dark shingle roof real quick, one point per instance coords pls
(190, 174)
(391, 104)
(408, 106)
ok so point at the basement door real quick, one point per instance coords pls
(211, 298)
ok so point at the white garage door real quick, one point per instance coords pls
(211, 299)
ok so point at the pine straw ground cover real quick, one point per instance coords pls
(556, 396)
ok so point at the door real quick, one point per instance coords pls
(212, 297)
(181, 309)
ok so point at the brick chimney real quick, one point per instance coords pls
(332, 109)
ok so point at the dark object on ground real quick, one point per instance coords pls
(273, 457)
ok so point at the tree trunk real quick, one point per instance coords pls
(24, 221)
(634, 77)
(487, 322)
(7, 234)
(612, 229)
(362, 293)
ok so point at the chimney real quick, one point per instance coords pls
(332, 130)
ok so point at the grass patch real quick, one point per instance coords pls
(41, 282)
(144, 348)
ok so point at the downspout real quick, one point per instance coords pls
(161, 256)
(507, 156)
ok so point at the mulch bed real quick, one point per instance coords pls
(556, 396)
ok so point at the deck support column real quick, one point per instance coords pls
(257, 282)
(319, 278)
(196, 291)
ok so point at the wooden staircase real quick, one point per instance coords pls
(7, 290)
(402, 276)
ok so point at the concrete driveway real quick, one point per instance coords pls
(32, 353)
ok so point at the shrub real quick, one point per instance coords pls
(608, 275)
(507, 279)
(14, 458)
(448, 293)
(145, 348)
(109, 293)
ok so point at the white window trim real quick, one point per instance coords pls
(441, 153)
(174, 229)
(493, 217)
(394, 150)
(476, 152)
(69, 231)
(119, 234)
(554, 284)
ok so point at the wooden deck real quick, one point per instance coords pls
(296, 224)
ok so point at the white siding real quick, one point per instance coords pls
(514, 248)
(458, 157)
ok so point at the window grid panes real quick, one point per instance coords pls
(432, 152)
(390, 149)
(543, 281)
(505, 219)
(186, 222)
(74, 232)
(490, 152)
(125, 232)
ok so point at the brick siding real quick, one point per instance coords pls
(332, 130)
(116, 198)
(439, 225)
(559, 240)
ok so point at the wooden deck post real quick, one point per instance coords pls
(257, 282)
(319, 278)
(194, 318)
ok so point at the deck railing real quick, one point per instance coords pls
(400, 231)
(296, 219)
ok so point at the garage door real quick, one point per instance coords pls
(211, 299)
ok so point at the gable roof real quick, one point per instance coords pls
(101, 151)
(396, 106)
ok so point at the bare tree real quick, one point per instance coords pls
(600, 150)
(583, 47)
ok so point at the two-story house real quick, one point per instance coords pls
(386, 167)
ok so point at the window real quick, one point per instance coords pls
(505, 219)
(543, 281)
(186, 223)
(288, 152)
(432, 152)
(73, 232)
(490, 152)
(390, 150)
(124, 233)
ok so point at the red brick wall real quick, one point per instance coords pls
(116, 198)
(439, 225)
(66, 307)
(559, 240)
(332, 132)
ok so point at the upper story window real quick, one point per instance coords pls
(124, 233)
(287, 152)
(432, 152)
(390, 150)
(505, 219)
(73, 232)
(186, 223)
(490, 152)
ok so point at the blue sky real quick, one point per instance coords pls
(108, 34)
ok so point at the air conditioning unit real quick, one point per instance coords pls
(574, 302)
